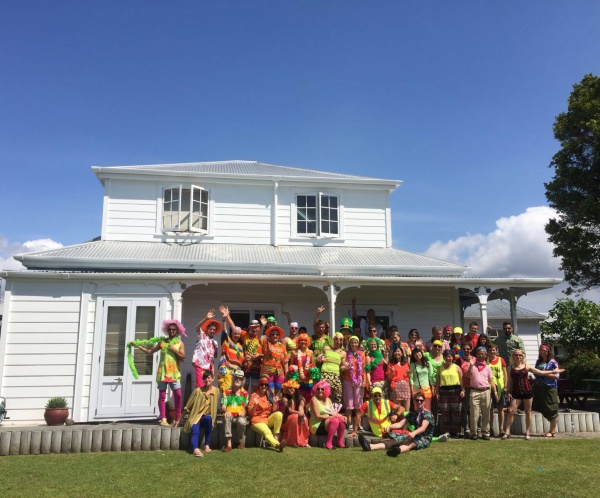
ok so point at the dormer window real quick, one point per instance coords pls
(185, 209)
(317, 215)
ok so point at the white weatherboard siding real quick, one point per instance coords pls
(529, 331)
(40, 356)
(241, 214)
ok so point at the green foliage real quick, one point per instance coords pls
(575, 188)
(575, 325)
(585, 365)
(57, 403)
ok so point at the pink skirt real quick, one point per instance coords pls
(353, 396)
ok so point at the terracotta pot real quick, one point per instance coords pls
(171, 414)
(56, 416)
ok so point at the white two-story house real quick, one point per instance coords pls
(180, 239)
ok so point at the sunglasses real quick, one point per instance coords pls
(419, 400)
(320, 389)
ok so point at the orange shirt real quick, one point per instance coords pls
(259, 408)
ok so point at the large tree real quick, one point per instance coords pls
(573, 324)
(575, 188)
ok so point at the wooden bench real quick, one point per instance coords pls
(568, 393)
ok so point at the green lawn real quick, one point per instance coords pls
(457, 468)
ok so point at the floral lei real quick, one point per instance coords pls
(356, 373)
(303, 366)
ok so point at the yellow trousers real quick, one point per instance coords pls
(274, 423)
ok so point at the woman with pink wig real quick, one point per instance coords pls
(325, 419)
(172, 353)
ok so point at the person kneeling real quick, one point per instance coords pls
(265, 419)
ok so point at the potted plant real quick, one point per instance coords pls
(170, 409)
(57, 411)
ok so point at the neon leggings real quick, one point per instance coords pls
(206, 424)
(162, 409)
(336, 424)
(273, 422)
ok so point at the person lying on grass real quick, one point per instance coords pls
(419, 438)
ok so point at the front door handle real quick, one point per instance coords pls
(119, 379)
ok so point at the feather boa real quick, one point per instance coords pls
(146, 343)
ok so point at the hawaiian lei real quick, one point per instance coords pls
(356, 373)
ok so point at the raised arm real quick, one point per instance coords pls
(287, 315)
(320, 310)
(225, 312)
(209, 315)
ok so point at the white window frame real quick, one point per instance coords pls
(319, 220)
(177, 227)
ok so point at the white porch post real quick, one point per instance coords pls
(483, 295)
(176, 289)
(513, 310)
(332, 297)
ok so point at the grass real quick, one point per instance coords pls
(456, 468)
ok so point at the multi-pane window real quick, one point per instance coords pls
(317, 215)
(185, 209)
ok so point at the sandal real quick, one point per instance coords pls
(505, 436)
(527, 437)
(551, 434)
(197, 453)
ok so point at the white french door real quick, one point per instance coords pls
(119, 393)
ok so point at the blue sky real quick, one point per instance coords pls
(457, 99)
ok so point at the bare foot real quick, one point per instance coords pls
(176, 422)
(353, 434)
(207, 449)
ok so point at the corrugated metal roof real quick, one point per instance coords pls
(250, 258)
(244, 168)
(500, 309)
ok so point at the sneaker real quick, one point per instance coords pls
(393, 452)
(444, 437)
(485, 437)
(364, 442)
(350, 427)
(467, 434)
(360, 428)
(474, 437)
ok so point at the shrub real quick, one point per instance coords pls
(585, 365)
(57, 403)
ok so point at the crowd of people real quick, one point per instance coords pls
(287, 387)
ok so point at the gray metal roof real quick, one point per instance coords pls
(500, 309)
(240, 258)
(250, 169)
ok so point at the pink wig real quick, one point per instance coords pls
(172, 321)
(325, 385)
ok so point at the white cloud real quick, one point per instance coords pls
(518, 247)
(7, 249)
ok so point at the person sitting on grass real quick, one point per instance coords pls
(377, 410)
(325, 419)
(202, 413)
(417, 439)
(399, 426)
(265, 419)
(233, 406)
